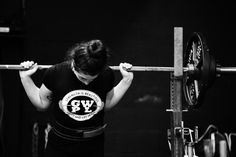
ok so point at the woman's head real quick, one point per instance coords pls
(89, 57)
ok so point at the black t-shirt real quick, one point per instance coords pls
(74, 104)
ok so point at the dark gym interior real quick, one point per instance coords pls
(138, 32)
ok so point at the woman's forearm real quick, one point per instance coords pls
(32, 92)
(118, 92)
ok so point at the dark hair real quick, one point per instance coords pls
(90, 57)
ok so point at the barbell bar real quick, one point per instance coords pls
(190, 68)
(134, 68)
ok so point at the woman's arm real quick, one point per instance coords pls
(115, 95)
(39, 97)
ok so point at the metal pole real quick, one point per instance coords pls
(176, 95)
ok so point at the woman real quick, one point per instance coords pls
(78, 91)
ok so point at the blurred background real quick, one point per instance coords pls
(138, 32)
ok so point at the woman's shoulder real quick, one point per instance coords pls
(108, 70)
(62, 65)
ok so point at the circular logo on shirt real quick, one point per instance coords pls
(81, 105)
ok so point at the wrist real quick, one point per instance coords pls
(127, 80)
(25, 77)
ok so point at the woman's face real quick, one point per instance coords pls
(85, 78)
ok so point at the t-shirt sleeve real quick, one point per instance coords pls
(48, 78)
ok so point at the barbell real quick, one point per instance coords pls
(189, 69)
(199, 67)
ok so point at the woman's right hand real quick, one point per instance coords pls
(30, 69)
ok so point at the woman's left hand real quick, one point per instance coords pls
(124, 70)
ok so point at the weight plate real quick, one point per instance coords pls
(195, 84)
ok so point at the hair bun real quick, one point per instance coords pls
(95, 46)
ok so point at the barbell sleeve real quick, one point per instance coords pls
(225, 70)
